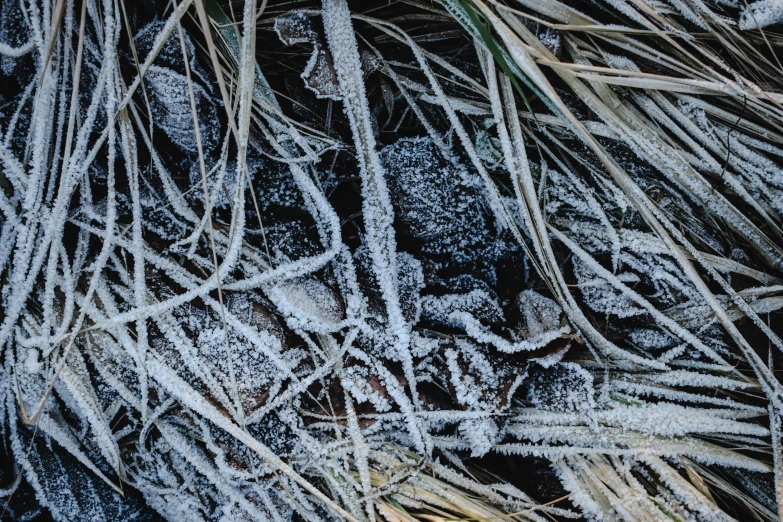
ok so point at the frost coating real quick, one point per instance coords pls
(169, 102)
(761, 14)
(232, 307)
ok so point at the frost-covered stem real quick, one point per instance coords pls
(139, 277)
(360, 452)
(776, 431)
(420, 437)
(160, 40)
(28, 260)
(246, 85)
(110, 103)
(669, 232)
(514, 160)
(316, 202)
(208, 213)
(477, 331)
(376, 206)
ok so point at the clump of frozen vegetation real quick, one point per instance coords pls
(271, 260)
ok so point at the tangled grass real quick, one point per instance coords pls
(395, 260)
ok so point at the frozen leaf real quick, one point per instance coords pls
(312, 299)
(600, 295)
(170, 103)
(478, 379)
(434, 198)
(562, 387)
(538, 314)
(318, 75)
